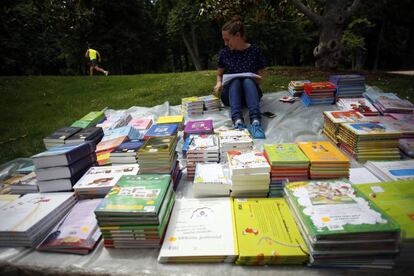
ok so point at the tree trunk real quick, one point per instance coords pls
(378, 49)
(193, 53)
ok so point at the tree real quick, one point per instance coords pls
(331, 23)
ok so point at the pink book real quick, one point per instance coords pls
(140, 123)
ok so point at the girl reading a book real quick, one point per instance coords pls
(240, 57)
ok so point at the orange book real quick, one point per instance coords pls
(323, 152)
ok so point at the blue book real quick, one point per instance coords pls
(161, 130)
(128, 131)
(128, 148)
(63, 155)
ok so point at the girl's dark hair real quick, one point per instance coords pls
(235, 25)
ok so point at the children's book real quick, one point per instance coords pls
(283, 154)
(140, 124)
(178, 119)
(161, 130)
(245, 162)
(323, 152)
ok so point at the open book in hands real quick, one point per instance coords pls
(228, 77)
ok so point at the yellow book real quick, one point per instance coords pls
(267, 233)
(170, 119)
(323, 152)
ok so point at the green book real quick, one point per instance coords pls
(89, 119)
(136, 195)
(334, 210)
(396, 198)
(82, 124)
(284, 154)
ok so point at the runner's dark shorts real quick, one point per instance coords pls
(94, 62)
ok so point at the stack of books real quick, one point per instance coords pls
(77, 232)
(211, 104)
(326, 160)
(296, 88)
(93, 134)
(341, 227)
(176, 119)
(360, 105)
(126, 153)
(396, 198)
(198, 127)
(210, 180)
(333, 119)
(369, 141)
(141, 124)
(249, 173)
(266, 233)
(135, 213)
(115, 121)
(158, 155)
(58, 137)
(288, 163)
(392, 170)
(27, 220)
(234, 140)
(385, 105)
(24, 185)
(192, 106)
(348, 86)
(161, 130)
(318, 93)
(125, 131)
(104, 149)
(200, 231)
(407, 147)
(201, 149)
(406, 124)
(98, 181)
(59, 168)
(373, 95)
(90, 119)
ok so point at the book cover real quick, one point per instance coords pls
(344, 116)
(156, 145)
(62, 134)
(129, 146)
(244, 162)
(86, 134)
(178, 119)
(287, 153)
(267, 232)
(141, 123)
(370, 129)
(210, 173)
(199, 126)
(322, 152)
(110, 144)
(161, 130)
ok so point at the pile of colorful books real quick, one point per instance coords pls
(249, 173)
(288, 163)
(296, 88)
(341, 227)
(318, 93)
(333, 119)
(192, 106)
(135, 213)
(104, 149)
(386, 105)
(234, 140)
(369, 141)
(210, 180)
(126, 153)
(360, 105)
(326, 160)
(158, 155)
(348, 86)
(211, 103)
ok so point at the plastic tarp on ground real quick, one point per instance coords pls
(293, 122)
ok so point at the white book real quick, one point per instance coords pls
(362, 176)
(247, 162)
(229, 77)
(392, 170)
(98, 178)
(203, 143)
(210, 180)
(200, 228)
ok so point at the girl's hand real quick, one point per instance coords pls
(217, 89)
(258, 79)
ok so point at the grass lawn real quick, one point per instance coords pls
(33, 107)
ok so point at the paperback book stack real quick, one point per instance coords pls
(396, 198)
(318, 93)
(60, 167)
(93, 134)
(266, 233)
(296, 88)
(198, 127)
(333, 119)
(200, 231)
(161, 130)
(210, 181)
(211, 104)
(24, 185)
(341, 227)
(125, 131)
(288, 163)
(27, 220)
(126, 153)
(234, 140)
(135, 213)
(98, 181)
(348, 86)
(201, 149)
(385, 105)
(405, 123)
(77, 232)
(326, 160)
(140, 124)
(158, 155)
(104, 149)
(177, 120)
(369, 141)
(392, 170)
(249, 173)
(360, 105)
(373, 95)
(58, 137)
(192, 106)
(114, 121)
(90, 119)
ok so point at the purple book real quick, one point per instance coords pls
(201, 126)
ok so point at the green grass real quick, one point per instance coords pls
(33, 107)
